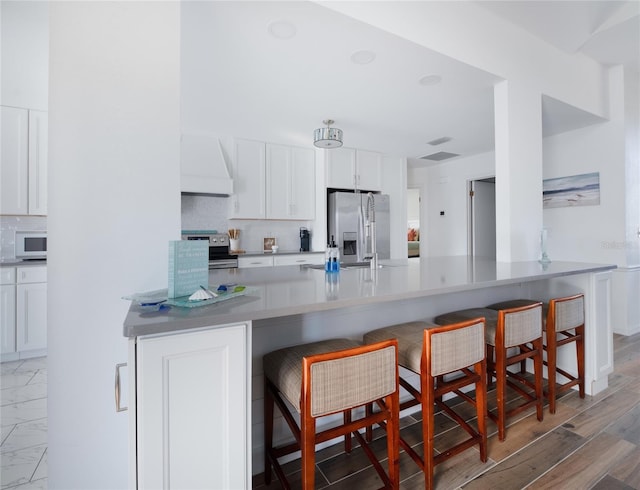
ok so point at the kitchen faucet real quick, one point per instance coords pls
(370, 215)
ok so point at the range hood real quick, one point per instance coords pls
(203, 169)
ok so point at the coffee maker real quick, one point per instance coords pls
(305, 239)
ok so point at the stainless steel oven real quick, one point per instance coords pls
(219, 256)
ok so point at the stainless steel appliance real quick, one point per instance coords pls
(305, 239)
(219, 256)
(31, 245)
(347, 222)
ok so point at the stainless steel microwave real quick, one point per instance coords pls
(31, 245)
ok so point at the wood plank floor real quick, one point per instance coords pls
(588, 443)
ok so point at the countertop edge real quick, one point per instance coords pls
(178, 325)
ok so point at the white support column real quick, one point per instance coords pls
(518, 142)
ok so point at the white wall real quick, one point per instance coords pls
(114, 202)
(444, 188)
(590, 233)
(607, 233)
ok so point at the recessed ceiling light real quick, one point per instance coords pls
(363, 57)
(430, 80)
(282, 29)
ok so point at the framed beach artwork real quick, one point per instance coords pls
(576, 190)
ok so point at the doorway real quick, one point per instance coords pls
(482, 218)
(413, 222)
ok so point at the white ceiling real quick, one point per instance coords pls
(239, 80)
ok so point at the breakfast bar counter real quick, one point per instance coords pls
(291, 290)
(195, 374)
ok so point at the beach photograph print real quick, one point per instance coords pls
(577, 190)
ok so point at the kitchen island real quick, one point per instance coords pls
(195, 374)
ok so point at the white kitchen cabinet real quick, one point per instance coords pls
(249, 180)
(347, 168)
(255, 261)
(272, 181)
(290, 182)
(38, 162)
(23, 312)
(7, 310)
(369, 170)
(24, 162)
(299, 259)
(191, 409)
(281, 259)
(14, 166)
(31, 308)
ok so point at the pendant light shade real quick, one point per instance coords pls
(327, 137)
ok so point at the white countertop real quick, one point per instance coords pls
(22, 263)
(291, 290)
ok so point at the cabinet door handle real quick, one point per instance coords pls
(117, 388)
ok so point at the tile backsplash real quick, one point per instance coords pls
(8, 227)
(211, 213)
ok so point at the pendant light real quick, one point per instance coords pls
(327, 137)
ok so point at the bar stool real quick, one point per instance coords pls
(432, 352)
(565, 317)
(330, 377)
(507, 328)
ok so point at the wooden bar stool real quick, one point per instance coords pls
(505, 329)
(432, 352)
(565, 317)
(330, 377)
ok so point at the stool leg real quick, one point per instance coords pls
(428, 429)
(393, 438)
(268, 431)
(537, 360)
(481, 407)
(346, 417)
(552, 352)
(580, 357)
(501, 389)
(491, 366)
(308, 450)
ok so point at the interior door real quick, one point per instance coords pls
(483, 218)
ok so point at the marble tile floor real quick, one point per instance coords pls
(23, 424)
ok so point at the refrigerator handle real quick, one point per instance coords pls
(117, 387)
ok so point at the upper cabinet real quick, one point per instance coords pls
(24, 162)
(38, 163)
(273, 181)
(290, 182)
(348, 168)
(249, 177)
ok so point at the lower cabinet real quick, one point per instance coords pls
(191, 409)
(7, 319)
(299, 259)
(283, 259)
(23, 316)
(257, 261)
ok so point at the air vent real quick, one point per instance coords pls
(439, 141)
(439, 156)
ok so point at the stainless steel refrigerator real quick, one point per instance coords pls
(347, 222)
